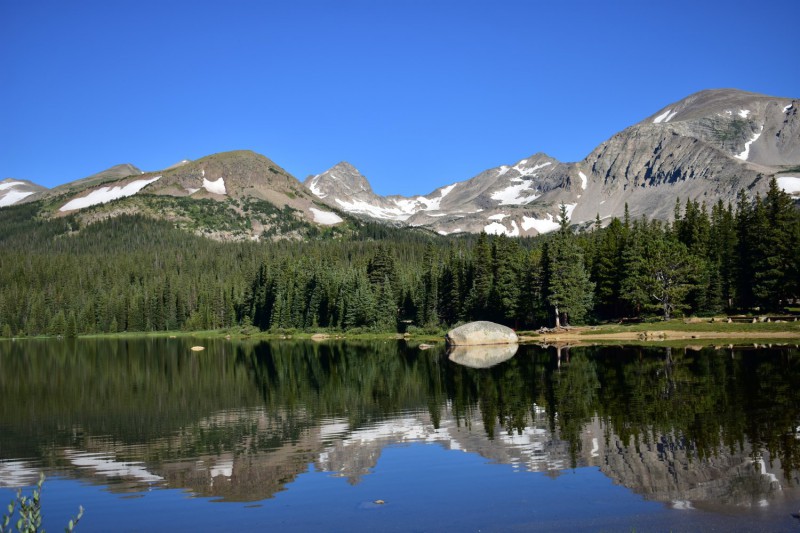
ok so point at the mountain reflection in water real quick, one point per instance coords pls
(694, 428)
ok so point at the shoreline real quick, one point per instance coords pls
(587, 334)
(651, 333)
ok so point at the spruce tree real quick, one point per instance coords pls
(569, 292)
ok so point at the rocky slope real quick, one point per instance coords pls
(706, 147)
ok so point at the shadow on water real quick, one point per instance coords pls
(241, 420)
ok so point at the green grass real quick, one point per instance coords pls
(706, 326)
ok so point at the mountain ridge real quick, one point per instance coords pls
(707, 147)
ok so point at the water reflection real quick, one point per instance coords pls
(482, 356)
(710, 428)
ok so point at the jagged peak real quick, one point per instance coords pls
(342, 175)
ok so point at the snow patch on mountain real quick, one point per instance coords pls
(107, 194)
(746, 152)
(496, 228)
(512, 195)
(666, 116)
(541, 225)
(448, 189)
(316, 191)
(326, 218)
(583, 180)
(789, 184)
(499, 216)
(787, 108)
(216, 187)
(10, 184)
(528, 171)
(431, 204)
(361, 207)
(744, 112)
(12, 197)
(660, 118)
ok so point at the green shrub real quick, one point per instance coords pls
(29, 510)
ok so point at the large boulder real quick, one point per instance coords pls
(481, 333)
(482, 356)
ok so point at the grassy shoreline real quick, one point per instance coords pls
(649, 333)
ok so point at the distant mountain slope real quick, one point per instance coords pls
(707, 146)
(15, 191)
(228, 196)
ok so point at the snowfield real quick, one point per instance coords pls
(528, 171)
(316, 191)
(448, 189)
(583, 180)
(789, 184)
(547, 224)
(746, 152)
(326, 218)
(365, 208)
(541, 225)
(106, 194)
(660, 118)
(9, 185)
(512, 195)
(666, 116)
(215, 187)
(12, 197)
(496, 228)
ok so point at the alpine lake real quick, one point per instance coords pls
(148, 435)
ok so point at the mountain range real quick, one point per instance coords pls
(706, 147)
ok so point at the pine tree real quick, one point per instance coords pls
(505, 289)
(660, 271)
(774, 220)
(482, 280)
(568, 290)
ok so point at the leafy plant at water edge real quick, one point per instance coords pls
(29, 510)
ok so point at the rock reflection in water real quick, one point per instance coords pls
(482, 356)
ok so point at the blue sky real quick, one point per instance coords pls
(415, 94)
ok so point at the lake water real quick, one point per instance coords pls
(299, 436)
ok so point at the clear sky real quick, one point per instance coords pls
(415, 94)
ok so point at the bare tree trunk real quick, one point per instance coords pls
(558, 319)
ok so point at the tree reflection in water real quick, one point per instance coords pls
(690, 426)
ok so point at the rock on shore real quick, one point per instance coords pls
(481, 333)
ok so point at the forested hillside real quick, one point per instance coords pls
(132, 273)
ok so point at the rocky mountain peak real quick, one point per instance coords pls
(343, 180)
(706, 147)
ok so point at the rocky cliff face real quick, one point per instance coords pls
(706, 147)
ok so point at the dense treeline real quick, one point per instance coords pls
(132, 273)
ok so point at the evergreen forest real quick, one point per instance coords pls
(134, 273)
